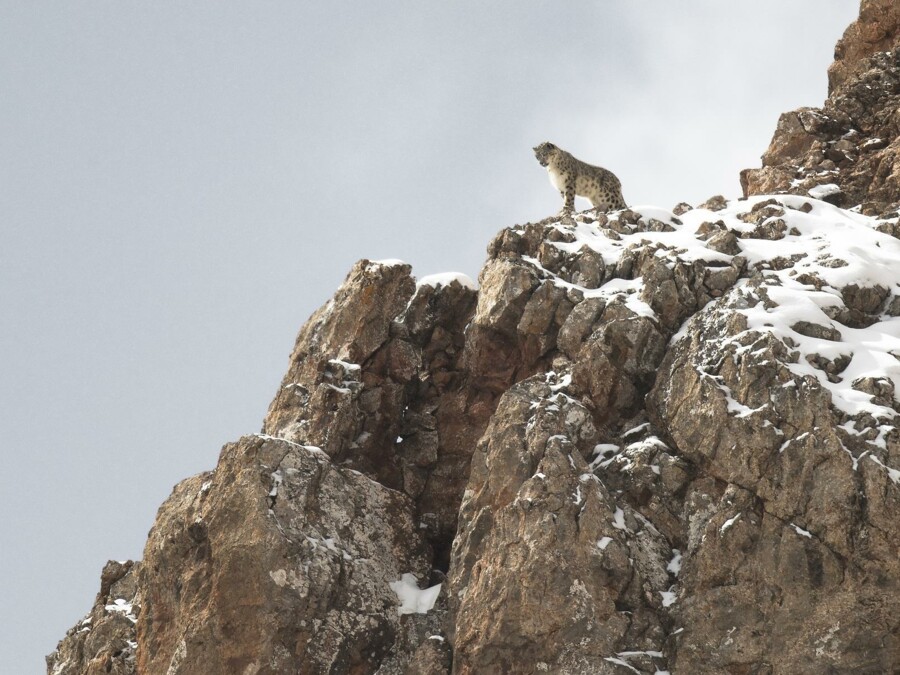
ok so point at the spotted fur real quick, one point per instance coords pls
(573, 177)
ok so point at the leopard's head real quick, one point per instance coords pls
(545, 152)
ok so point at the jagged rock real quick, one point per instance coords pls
(279, 561)
(650, 441)
(617, 362)
(104, 641)
(433, 657)
(876, 30)
(549, 573)
(714, 203)
(847, 152)
(785, 515)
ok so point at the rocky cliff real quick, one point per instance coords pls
(650, 441)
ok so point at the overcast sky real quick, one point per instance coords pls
(183, 183)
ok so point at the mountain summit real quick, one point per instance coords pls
(649, 441)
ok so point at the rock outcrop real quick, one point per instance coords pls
(876, 30)
(848, 151)
(650, 441)
(104, 641)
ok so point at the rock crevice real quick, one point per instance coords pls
(648, 441)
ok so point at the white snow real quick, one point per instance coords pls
(277, 479)
(346, 365)
(621, 662)
(414, 600)
(668, 598)
(619, 520)
(604, 455)
(576, 496)
(674, 565)
(819, 239)
(620, 659)
(801, 531)
(728, 523)
(312, 449)
(124, 607)
(822, 191)
(652, 654)
(637, 429)
(822, 242)
(447, 278)
(603, 543)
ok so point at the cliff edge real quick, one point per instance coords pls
(650, 441)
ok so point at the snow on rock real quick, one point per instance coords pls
(123, 607)
(414, 600)
(388, 262)
(824, 190)
(447, 278)
(674, 565)
(728, 523)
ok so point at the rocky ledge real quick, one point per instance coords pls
(649, 441)
(848, 151)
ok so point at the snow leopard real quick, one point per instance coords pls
(573, 177)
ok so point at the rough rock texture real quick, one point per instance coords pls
(651, 441)
(280, 561)
(570, 576)
(848, 151)
(375, 381)
(876, 30)
(104, 641)
(791, 531)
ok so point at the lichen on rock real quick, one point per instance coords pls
(647, 441)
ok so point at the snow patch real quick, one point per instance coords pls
(801, 531)
(822, 191)
(122, 606)
(447, 278)
(728, 523)
(674, 565)
(414, 600)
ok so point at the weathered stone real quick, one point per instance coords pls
(793, 513)
(104, 641)
(852, 141)
(876, 30)
(541, 568)
(593, 494)
(350, 328)
(714, 203)
(617, 363)
(277, 562)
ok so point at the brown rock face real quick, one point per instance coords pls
(876, 30)
(650, 441)
(548, 569)
(376, 382)
(846, 152)
(104, 641)
(280, 561)
(787, 535)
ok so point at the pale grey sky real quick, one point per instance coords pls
(183, 183)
